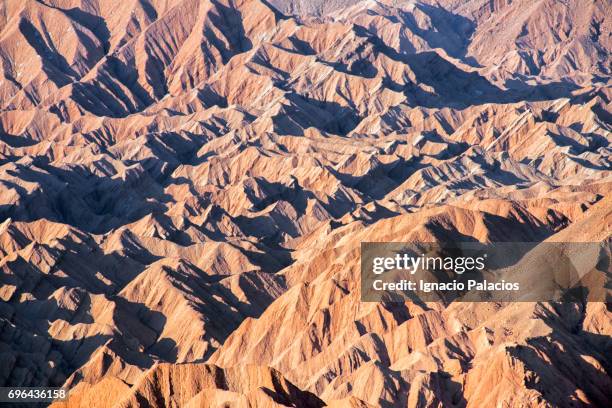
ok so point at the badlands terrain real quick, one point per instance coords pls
(185, 184)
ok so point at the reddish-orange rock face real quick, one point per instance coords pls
(185, 185)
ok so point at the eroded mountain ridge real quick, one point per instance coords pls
(185, 185)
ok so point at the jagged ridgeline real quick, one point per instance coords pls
(185, 186)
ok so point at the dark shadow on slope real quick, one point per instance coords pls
(132, 333)
(453, 87)
(54, 64)
(23, 354)
(229, 21)
(94, 99)
(95, 24)
(273, 224)
(603, 114)
(558, 361)
(224, 310)
(16, 141)
(140, 325)
(149, 9)
(98, 201)
(359, 67)
(305, 112)
(495, 172)
(587, 164)
(103, 96)
(452, 31)
(275, 191)
(88, 201)
(271, 259)
(128, 76)
(155, 73)
(73, 354)
(301, 46)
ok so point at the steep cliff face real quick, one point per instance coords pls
(184, 187)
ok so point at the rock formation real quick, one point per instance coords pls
(184, 187)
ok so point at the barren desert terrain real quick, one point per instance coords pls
(185, 185)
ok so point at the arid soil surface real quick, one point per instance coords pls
(184, 187)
